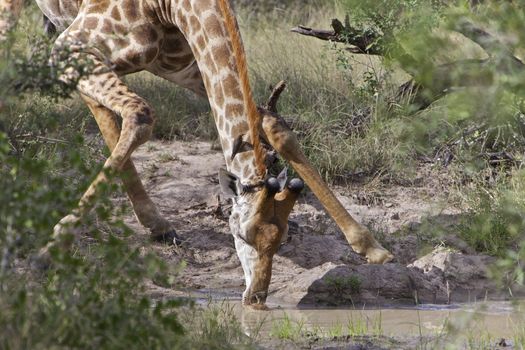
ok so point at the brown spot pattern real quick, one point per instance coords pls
(195, 23)
(115, 13)
(238, 129)
(107, 27)
(186, 5)
(201, 43)
(130, 9)
(213, 27)
(231, 87)
(91, 22)
(219, 97)
(209, 63)
(120, 29)
(183, 22)
(234, 110)
(134, 57)
(145, 35)
(222, 55)
(201, 6)
(98, 6)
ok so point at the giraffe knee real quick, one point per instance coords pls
(140, 119)
(282, 139)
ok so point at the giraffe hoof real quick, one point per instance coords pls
(258, 307)
(169, 238)
(378, 255)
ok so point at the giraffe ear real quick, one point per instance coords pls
(229, 183)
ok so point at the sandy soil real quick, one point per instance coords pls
(316, 265)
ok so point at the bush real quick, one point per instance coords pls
(472, 121)
(93, 296)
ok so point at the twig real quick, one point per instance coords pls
(42, 138)
(328, 35)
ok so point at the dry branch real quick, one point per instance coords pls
(361, 41)
(328, 35)
(463, 73)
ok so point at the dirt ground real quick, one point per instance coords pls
(316, 266)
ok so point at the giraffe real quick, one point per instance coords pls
(195, 44)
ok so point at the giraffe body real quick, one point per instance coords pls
(195, 44)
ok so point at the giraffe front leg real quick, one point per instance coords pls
(286, 144)
(145, 210)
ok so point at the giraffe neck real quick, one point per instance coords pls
(202, 23)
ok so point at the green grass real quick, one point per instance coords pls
(216, 326)
(494, 222)
(287, 329)
(180, 113)
(337, 125)
(365, 326)
(464, 333)
(519, 337)
(343, 287)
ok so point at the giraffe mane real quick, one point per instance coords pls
(254, 118)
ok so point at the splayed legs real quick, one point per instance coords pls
(285, 143)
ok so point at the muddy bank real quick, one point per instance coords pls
(315, 266)
(442, 277)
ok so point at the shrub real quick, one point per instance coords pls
(95, 295)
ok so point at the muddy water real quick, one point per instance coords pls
(497, 319)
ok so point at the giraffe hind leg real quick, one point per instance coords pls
(136, 129)
(104, 87)
(145, 210)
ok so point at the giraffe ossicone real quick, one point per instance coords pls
(195, 44)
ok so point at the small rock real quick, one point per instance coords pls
(466, 275)
(395, 216)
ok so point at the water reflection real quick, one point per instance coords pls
(497, 319)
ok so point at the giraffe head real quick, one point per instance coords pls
(259, 223)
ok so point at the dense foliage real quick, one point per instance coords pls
(94, 296)
(464, 106)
